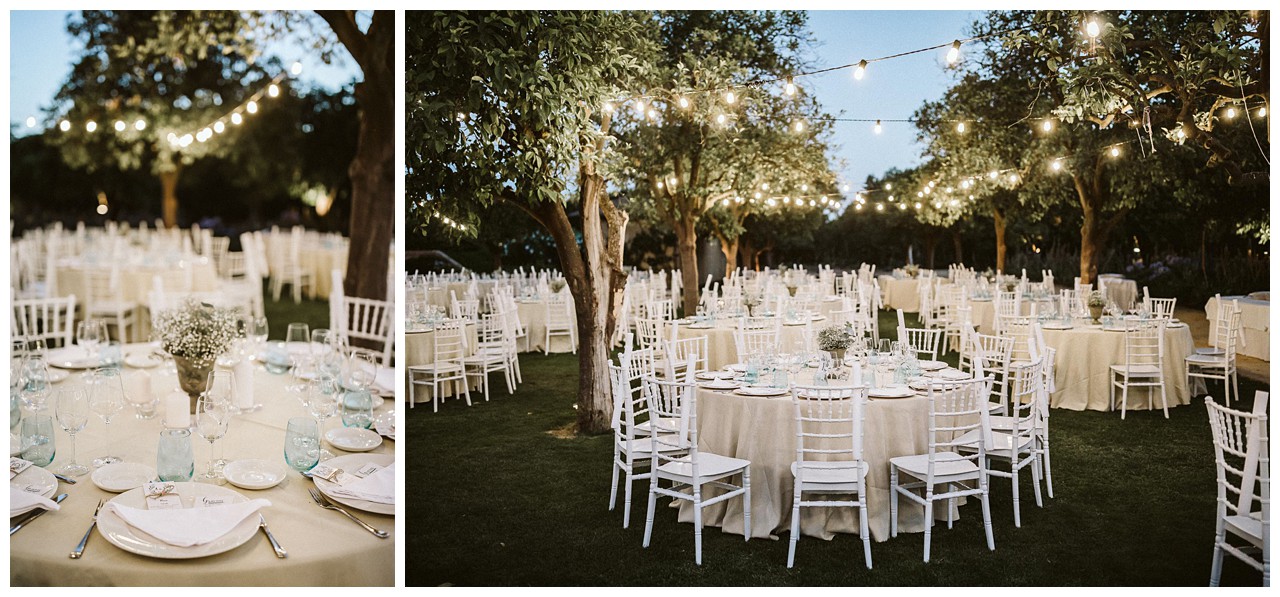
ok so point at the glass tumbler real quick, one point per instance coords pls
(37, 439)
(175, 460)
(302, 443)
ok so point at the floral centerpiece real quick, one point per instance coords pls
(195, 334)
(835, 339)
(557, 285)
(1096, 302)
(911, 270)
(751, 301)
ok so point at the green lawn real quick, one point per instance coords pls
(280, 314)
(494, 499)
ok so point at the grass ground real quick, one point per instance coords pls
(493, 498)
(284, 312)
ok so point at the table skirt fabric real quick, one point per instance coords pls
(324, 547)
(1255, 322)
(1082, 373)
(420, 349)
(901, 293)
(721, 348)
(534, 317)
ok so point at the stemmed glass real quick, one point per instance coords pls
(73, 414)
(106, 399)
(361, 370)
(221, 389)
(211, 417)
(35, 383)
(90, 333)
(298, 343)
(256, 331)
(322, 403)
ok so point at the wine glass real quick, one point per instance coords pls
(322, 403)
(34, 389)
(89, 335)
(362, 370)
(256, 330)
(297, 337)
(221, 389)
(106, 399)
(73, 414)
(211, 418)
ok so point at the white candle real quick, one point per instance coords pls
(137, 386)
(243, 374)
(177, 410)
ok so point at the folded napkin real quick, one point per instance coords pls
(21, 502)
(186, 527)
(385, 380)
(380, 487)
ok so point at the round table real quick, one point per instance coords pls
(901, 293)
(420, 349)
(325, 548)
(1119, 290)
(135, 281)
(320, 260)
(983, 312)
(1082, 369)
(721, 348)
(533, 315)
(1255, 324)
(762, 430)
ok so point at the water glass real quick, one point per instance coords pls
(276, 358)
(297, 337)
(211, 418)
(112, 355)
(35, 383)
(302, 443)
(72, 408)
(357, 409)
(362, 370)
(175, 460)
(37, 439)
(89, 334)
(106, 399)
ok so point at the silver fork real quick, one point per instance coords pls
(262, 524)
(79, 550)
(315, 495)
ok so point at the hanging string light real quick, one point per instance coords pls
(878, 128)
(953, 54)
(861, 70)
(790, 88)
(730, 98)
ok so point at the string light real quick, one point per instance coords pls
(917, 205)
(1115, 152)
(730, 98)
(879, 207)
(1231, 112)
(1262, 112)
(273, 90)
(608, 107)
(993, 174)
(861, 70)
(639, 108)
(1092, 29)
(653, 114)
(1056, 165)
(954, 53)
(140, 124)
(878, 128)
(296, 69)
(1047, 125)
(799, 126)
(684, 102)
(720, 118)
(91, 126)
(236, 118)
(1013, 178)
(120, 126)
(218, 127)
(790, 88)
(251, 107)
(960, 128)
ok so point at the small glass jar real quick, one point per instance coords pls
(175, 460)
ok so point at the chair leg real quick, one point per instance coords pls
(626, 500)
(412, 391)
(1124, 399)
(1215, 573)
(893, 501)
(746, 504)
(928, 526)
(1164, 401)
(863, 529)
(1017, 508)
(697, 524)
(795, 527)
(653, 502)
(613, 490)
(1048, 468)
(1035, 479)
(1235, 381)
(986, 515)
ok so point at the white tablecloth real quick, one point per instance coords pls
(1121, 291)
(901, 293)
(721, 349)
(324, 547)
(533, 314)
(1082, 369)
(135, 281)
(1255, 316)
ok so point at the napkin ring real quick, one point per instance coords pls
(333, 476)
(160, 490)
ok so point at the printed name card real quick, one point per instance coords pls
(162, 496)
(17, 465)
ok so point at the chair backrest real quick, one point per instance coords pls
(367, 319)
(450, 340)
(1226, 327)
(685, 349)
(956, 408)
(1026, 382)
(558, 306)
(755, 341)
(673, 412)
(1161, 308)
(1242, 456)
(1143, 344)
(629, 406)
(468, 308)
(49, 319)
(1017, 328)
(828, 426)
(649, 332)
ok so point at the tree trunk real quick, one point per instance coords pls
(730, 250)
(169, 197)
(372, 171)
(959, 246)
(930, 245)
(687, 243)
(1001, 247)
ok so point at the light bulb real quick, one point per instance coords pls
(251, 107)
(890, 198)
(790, 88)
(1262, 112)
(1013, 178)
(236, 118)
(765, 186)
(917, 205)
(102, 210)
(993, 174)
(1115, 152)
(296, 69)
(954, 53)
(1047, 125)
(729, 97)
(812, 203)
(804, 188)
(684, 102)
(639, 107)
(64, 125)
(902, 206)
(861, 70)
(758, 195)
(660, 184)
(653, 114)
(186, 140)
(461, 117)
(91, 126)
(920, 194)
(878, 128)
(140, 124)
(888, 186)
(786, 200)
(846, 188)
(1056, 165)
(799, 126)
(31, 121)
(770, 202)
(608, 107)
(120, 126)
(726, 202)
(1092, 28)
(960, 128)
(955, 202)
(273, 90)
(719, 118)
(218, 127)
(937, 204)
(858, 206)
(1231, 112)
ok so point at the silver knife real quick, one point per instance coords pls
(67, 480)
(35, 514)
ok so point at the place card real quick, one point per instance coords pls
(162, 496)
(330, 474)
(17, 465)
(366, 470)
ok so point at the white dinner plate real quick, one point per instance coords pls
(1056, 326)
(700, 326)
(793, 323)
(38, 480)
(71, 357)
(118, 532)
(760, 392)
(932, 365)
(254, 474)
(139, 360)
(892, 391)
(736, 367)
(353, 439)
(123, 476)
(710, 375)
(720, 384)
(818, 318)
(950, 375)
(353, 462)
(57, 375)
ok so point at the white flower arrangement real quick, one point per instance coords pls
(911, 269)
(197, 331)
(834, 338)
(557, 285)
(1096, 299)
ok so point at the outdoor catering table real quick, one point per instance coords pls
(533, 314)
(721, 348)
(983, 312)
(1254, 322)
(1082, 374)
(438, 295)
(320, 259)
(420, 349)
(762, 430)
(901, 293)
(1121, 291)
(135, 279)
(324, 547)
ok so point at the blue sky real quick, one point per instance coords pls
(35, 76)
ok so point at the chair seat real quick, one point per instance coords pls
(644, 445)
(710, 466)
(1208, 360)
(1003, 423)
(1002, 443)
(111, 307)
(664, 424)
(833, 476)
(946, 464)
(1210, 350)
(1138, 370)
(1249, 527)
(437, 368)
(491, 358)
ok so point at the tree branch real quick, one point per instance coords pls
(343, 23)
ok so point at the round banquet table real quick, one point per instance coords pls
(533, 315)
(135, 280)
(1082, 374)
(420, 349)
(438, 295)
(1121, 291)
(722, 350)
(983, 312)
(320, 259)
(901, 293)
(325, 548)
(762, 430)
(1254, 324)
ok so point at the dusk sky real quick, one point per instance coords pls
(42, 51)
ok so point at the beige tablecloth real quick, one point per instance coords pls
(721, 349)
(983, 312)
(324, 547)
(419, 349)
(135, 282)
(1255, 322)
(320, 261)
(762, 430)
(533, 314)
(1082, 369)
(1121, 291)
(901, 293)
